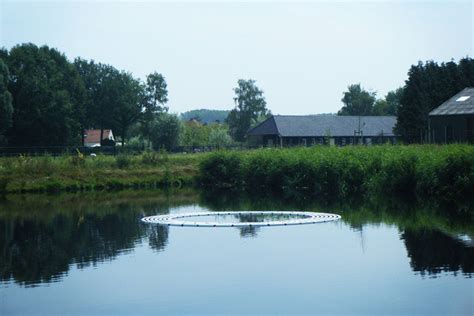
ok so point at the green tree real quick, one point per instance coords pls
(205, 116)
(357, 101)
(126, 92)
(165, 131)
(389, 105)
(47, 97)
(194, 134)
(219, 136)
(250, 106)
(6, 107)
(154, 100)
(103, 91)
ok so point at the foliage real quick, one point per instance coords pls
(78, 172)
(388, 105)
(250, 106)
(194, 134)
(165, 131)
(357, 101)
(6, 108)
(154, 100)
(128, 106)
(221, 170)
(122, 161)
(443, 173)
(48, 97)
(219, 137)
(114, 98)
(430, 84)
(205, 116)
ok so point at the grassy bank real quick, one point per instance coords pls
(445, 173)
(85, 173)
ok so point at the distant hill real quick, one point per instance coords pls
(205, 116)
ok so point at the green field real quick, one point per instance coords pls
(85, 173)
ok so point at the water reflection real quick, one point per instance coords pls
(41, 236)
(432, 252)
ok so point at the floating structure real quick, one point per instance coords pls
(300, 219)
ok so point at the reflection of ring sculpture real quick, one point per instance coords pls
(300, 218)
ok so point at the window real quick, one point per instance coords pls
(304, 142)
(343, 141)
(463, 98)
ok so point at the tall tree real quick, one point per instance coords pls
(127, 93)
(428, 85)
(357, 101)
(250, 106)
(165, 131)
(388, 105)
(6, 107)
(154, 100)
(47, 97)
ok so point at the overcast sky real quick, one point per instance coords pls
(302, 55)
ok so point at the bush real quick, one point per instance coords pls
(440, 172)
(150, 158)
(122, 161)
(221, 169)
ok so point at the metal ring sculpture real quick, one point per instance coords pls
(180, 219)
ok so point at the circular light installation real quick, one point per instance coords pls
(292, 218)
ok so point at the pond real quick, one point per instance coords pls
(89, 253)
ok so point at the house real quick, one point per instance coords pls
(307, 130)
(92, 137)
(453, 120)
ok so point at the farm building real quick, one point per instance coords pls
(453, 121)
(307, 130)
(92, 137)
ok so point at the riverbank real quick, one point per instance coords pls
(78, 172)
(443, 173)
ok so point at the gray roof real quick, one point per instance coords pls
(322, 125)
(457, 104)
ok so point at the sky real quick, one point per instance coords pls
(302, 55)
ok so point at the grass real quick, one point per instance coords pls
(86, 173)
(441, 173)
(444, 173)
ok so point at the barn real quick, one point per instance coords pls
(307, 130)
(453, 120)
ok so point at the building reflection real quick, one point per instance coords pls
(432, 252)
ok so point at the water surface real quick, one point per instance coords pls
(90, 254)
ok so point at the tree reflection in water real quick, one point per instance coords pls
(41, 236)
(432, 252)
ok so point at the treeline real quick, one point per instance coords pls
(205, 116)
(46, 100)
(428, 85)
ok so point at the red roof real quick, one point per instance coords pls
(93, 135)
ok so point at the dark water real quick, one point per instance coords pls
(90, 254)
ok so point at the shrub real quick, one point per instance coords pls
(221, 169)
(150, 158)
(424, 171)
(122, 161)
